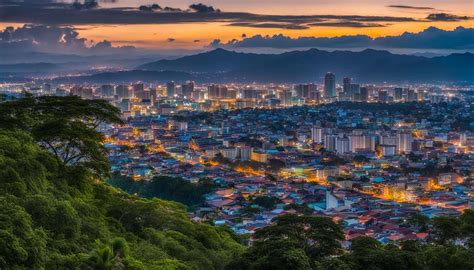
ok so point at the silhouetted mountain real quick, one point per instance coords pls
(311, 65)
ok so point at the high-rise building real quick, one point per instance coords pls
(411, 95)
(353, 91)
(317, 134)
(330, 142)
(398, 93)
(305, 90)
(106, 90)
(122, 91)
(47, 89)
(213, 91)
(125, 105)
(187, 88)
(170, 89)
(342, 145)
(249, 93)
(219, 91)
(329, 86)
(362, 142)
(404, 142)
(244, 152)
(383, 96)
(138, 89)
(285, 98)
(346, 82)
(364, 94)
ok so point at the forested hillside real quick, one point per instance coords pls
(57, 213)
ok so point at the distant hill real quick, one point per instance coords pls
(311, 65)
(29, 67)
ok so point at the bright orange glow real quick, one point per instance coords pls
(433, 185)
(193, 146)
(393, 194)
(249, 171)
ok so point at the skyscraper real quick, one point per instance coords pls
(345, 84)
(122, 91)
(364, 94)
(138, 90)
(329, 86)
(187, 88)
(317, 134)
(404, 142)
(170, 89)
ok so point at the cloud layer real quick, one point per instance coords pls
(49, 12)
(87, 12)
(430, 38)
(41, 38)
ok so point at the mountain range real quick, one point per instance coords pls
(311, 65)
(367, 66)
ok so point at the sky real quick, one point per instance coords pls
(295, 18)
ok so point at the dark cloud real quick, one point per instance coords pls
(87, 4)
(196, 40)
(54, 39)
(445, 17)
(203, 8)
(280, 41)
(170, 39)
(270, 25)
(410, 7)
(431, 38)
(13, 11)
(347, 24)
(216, 43)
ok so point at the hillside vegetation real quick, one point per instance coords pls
(57, 212)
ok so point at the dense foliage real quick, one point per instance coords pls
(306, 242)
(167, 188)
(56, 214)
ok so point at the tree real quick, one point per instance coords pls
(467, 226)
(108, 257)
(267, 202)
(65, 126)
(360, 159)
(279, 254)
(419, 221)
(446, 229)
(363, 244)
(317, 236)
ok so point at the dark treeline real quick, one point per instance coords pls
(167, 188)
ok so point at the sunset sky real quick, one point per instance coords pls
(179, 34)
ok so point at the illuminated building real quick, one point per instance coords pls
(170, 89)
(404, 142)
(106, 90)
(187, 89)
(122, 91)
(362, 143)
(329, 86)
(342, 145)
(317, 134)
(244, 152)
(330, 142)
(258, 156)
